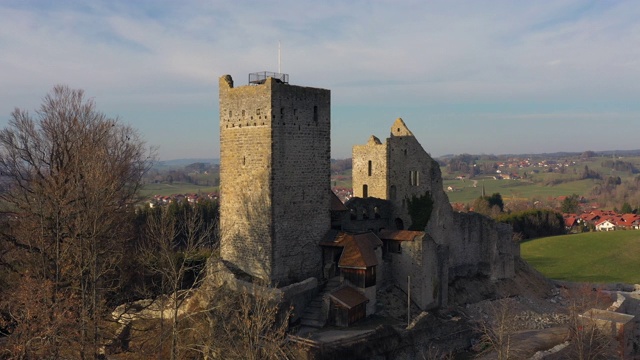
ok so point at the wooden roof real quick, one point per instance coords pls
(400, 235)
(336, 204)
(359, 252)
(359, 249)
(348, 297)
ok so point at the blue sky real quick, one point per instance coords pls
(466, 76)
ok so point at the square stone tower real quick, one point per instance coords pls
(275, 177)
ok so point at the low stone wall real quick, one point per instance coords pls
(296, 295)
(299, 295)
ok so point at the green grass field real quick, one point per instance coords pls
(513, 189)
(599, 257)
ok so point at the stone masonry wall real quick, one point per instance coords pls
(370, 214)
(463, 245)
(301, 176)
(245, 181)
(275, 178)
(418, 260)
(483, 247)
(412, 172)
(370, 169)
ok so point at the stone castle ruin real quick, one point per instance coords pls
(281, 224)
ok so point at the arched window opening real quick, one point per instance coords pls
(414, 178)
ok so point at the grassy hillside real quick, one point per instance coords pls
(590, 257)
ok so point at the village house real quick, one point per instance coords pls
(605, 225)
(603, 220)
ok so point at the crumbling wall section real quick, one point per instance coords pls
(417, 265)
(412, 172)
(370, 214)
(481, 246)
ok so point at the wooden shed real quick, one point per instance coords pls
(347, 306)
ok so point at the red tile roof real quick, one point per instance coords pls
(570, 221)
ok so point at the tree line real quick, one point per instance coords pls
(527, 222)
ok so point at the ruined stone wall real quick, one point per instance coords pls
(369, 169)
(274, 178)
(412, 172)
(370, 214)
(418, 259)
(482, 247)
(462, 245)
(401, 168)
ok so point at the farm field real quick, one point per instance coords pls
(465, 192)
(597, 257)
(341, 180)
(148, 190)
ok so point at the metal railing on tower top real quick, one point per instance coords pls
(260, 77)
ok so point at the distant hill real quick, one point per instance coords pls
(184, 162)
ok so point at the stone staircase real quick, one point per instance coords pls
(312, 316)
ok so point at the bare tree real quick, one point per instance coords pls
(587, 340)
(248, 324)
(499, 328)
(70, 175)
(175, 249)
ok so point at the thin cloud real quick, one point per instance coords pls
(574, 56)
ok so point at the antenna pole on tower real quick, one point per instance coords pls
(279, 58)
